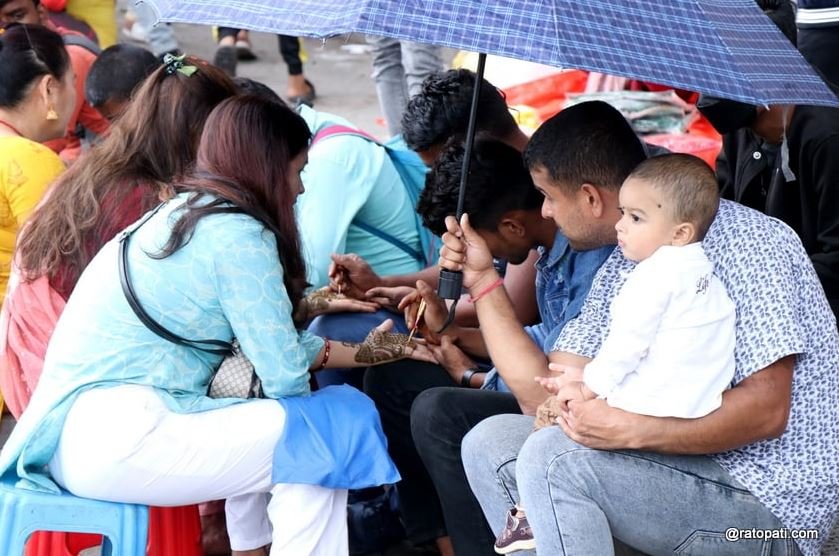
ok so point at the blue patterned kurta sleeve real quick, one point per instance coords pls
(249, 281)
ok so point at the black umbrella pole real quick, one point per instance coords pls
(450, 285)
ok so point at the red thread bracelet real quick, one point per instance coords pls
(486, 290)
(326, 346)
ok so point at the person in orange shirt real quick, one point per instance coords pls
(83, 52)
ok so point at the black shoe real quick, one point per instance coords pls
(225, 59)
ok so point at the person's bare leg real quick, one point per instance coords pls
(444, 545)
(297, 86)
(214, 534)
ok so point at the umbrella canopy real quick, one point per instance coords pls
(726, 48)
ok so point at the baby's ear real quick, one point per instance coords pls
(683, 234)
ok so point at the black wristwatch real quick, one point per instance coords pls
(466, 379)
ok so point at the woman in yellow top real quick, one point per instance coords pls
(37, 97)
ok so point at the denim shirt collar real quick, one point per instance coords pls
(549, 259)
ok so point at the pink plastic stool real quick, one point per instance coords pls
(172, 532)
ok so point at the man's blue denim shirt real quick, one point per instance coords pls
(563, 278)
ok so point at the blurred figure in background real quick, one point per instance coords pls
(818, 36)
(234, 45)
(399, 68)
(118, 71)
(783, 160)
(83, 119)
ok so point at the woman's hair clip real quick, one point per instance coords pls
(174, 64)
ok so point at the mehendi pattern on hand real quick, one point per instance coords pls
(379, 347)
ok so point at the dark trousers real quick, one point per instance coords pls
(425, 418)
(393, 388)
(820, 46)
(440, 418)
(289, 49)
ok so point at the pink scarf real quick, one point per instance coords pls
(27, 320)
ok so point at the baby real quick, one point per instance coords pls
(669, 351)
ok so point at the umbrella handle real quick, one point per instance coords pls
(449, 286)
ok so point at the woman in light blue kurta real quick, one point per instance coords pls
(122, 414)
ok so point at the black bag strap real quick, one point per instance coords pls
(73, 39)
(221, 347)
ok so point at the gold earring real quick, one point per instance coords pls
(52, 115)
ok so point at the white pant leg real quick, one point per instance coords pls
(248, 526)
(308, 519)
(122, 444)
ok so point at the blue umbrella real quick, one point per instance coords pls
(725, 48)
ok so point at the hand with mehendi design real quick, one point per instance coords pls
(324, 301)
(383, 346)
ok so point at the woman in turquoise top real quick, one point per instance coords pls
(121, 414)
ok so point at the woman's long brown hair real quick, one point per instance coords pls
(243, 161)
(151, 144)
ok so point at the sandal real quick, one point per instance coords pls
(308, 99)
(244, 50)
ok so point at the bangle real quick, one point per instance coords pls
(326, 347)
(486, 290)
(466, 378)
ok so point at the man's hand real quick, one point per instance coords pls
(452, 358)
(465, 250)
(597, 425)
(434, 316)
(352, 276)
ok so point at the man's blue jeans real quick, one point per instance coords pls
(577, 498)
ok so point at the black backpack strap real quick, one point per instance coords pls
(221, 348)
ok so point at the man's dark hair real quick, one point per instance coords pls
(782, 14)
(689, 187)
(117, 71)
(441, 110)
(248, 86)
(498, 183)
(590, 142)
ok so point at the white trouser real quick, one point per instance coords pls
(122, 444)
